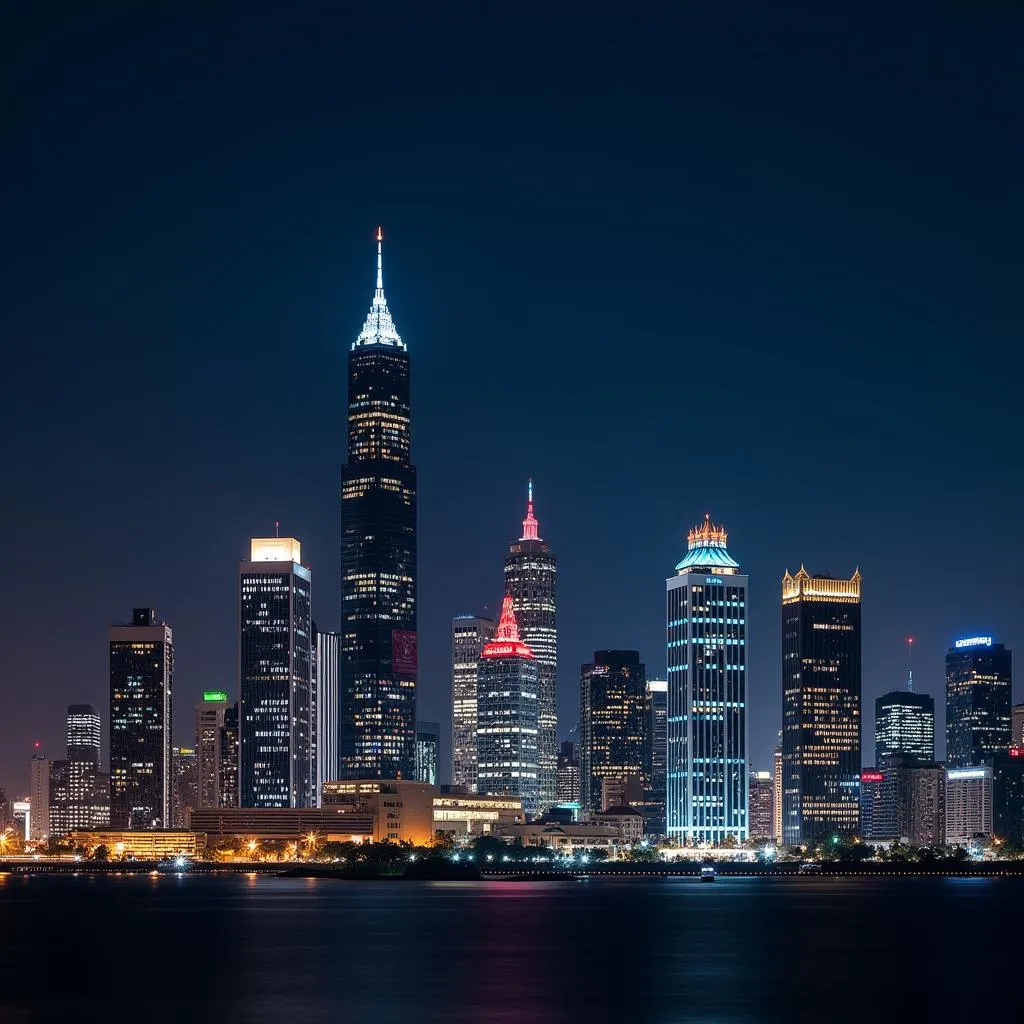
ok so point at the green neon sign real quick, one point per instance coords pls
(215, 696)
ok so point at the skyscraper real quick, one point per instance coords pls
(761, 796)
(904, 727)
(820, 706)
(657, 699)
(275, 676)
(567, 774)
(83, 734)
(706, 617)
(978, 701)
(506, 732)
(328, 656)
(614, 722)
(79, 792)
(530, 577)
(1017, 727)
(428, 745)
(469, 634)
(777, 795)
(184, 785)
(209, 725)
(230, 745)
(141, 678)
(39, 796)
(378, 556)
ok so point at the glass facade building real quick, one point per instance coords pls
(209, 725)
(615, 723)
(275, 765)
(469, 635)
(905, 727)
(706, 619)
(326, 709)
(978, 701)
(428, 748)
(141, 677)
(378, 668)
(507, 716)
(531, 573)
(821, 709)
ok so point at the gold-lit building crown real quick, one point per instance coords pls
(802, 586)
(707, 534)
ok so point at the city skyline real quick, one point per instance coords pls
(146, 317)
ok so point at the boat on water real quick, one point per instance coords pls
(809, 867)
(707, 872)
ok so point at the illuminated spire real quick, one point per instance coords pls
(707, 550)
(506, 642)
(530, 523)
(379, 328)
(910, 664)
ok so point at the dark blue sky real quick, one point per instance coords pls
(767, 268)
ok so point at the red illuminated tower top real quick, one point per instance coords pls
(506, 642)
(530, 523)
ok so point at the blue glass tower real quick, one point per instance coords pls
(706, 619)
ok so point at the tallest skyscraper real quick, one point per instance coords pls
(378, 665)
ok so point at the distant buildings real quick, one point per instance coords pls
(275, 676)
(210, 719)
(428, 748)
(657, 770)
(507, 684)
(978, 701)
(567, 775)
(821, 680)
(615, 722)
(379, 662)
(1008, 795)
(1017, 727)
(230, 746)
(905, 727)
(326, 708)
(706, 619)
(877, 806)
(531, 573)
(184, 785)
(968, 804)
(469, 634)
(921, 804)
(141, 680)
(39, 797)
(761, 804)
(777, 795)
(79, 791)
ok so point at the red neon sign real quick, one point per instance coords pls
(1016, 751)
(872, 777)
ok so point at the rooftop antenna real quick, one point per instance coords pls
(277, 528)
(910, 664)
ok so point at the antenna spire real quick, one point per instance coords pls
(910, 664)
(530, 524)
(277, 527)
(380, 265)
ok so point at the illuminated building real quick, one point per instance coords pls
(1017, 726)
(568, 838)
(922, 804)
(1008, 795)
(626, 820)
(209, 726)
(761, 798)
(531, 572)
(39, 796)
(469, 634)
(326, 709)
(328, 824)
(978, 701)
(402, 810)
(141, 678)
(877, 806)
(657, 765)
(614, 722)
(79, 791)
(706, 616)
(428, 745)
(777, 795)
(904, 727)
(567, 775)
(821, 684)
(21, 812)
(155, 844)
(506, 729)
(184, 785)
(473, 814)
(968, 804)
(377, 676)
(275, 762)
(230, 743)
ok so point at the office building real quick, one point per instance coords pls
(507, 716)
(428, 747)
(402, 810)
(21, 814)
(469, 634)
(777, 795)
(230, 746)
(82, 727)
(39, 796)
(141, 679)
(1017, 726)
(327, 709)
(531, 574)
(1008, 796)
(377, 675)
(210, 713)
(657, 763)
(79, 791)
(615, 722)
(761, 797)
(184, 785)
(904, 727)
(706, 615)
(472, 814)
(275, 676)
(567, 775)
(978, 701)
(877, 807)
(821, 679)
(968, 804)
(921, 809)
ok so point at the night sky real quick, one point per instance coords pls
(764, 268)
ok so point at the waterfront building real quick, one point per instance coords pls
(469, 634)
(905, 727)
(326, 708)
(531, 572)
(378, 668)
(919, 793)
(821, 736)
(567, 775)
(276, 677)
(877, 807)
(21, 814)
(184, 785)
(657, 763)
(777, 795)
(762, 790)
(568, 839)
(1008, 796)
(341, 823)
(968, 804)
(464, 814)
(141, 680)
(428, 747)
(615, 722)
(210, 712)
(978, 701)
(625, 819)
(153, 844)
(39, 796)
(507, 721)
(706, 615)
(230, 745)
(402, 810)
(79, 791)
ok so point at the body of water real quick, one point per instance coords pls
(254, 948)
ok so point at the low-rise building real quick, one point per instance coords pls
(150, 844)
(402, 810)
(627, 821)
(291, 824)
(471, 814)
(968, 804)
(567, 838)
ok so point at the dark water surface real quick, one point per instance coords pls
(245, 948)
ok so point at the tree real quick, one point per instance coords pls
(442, 842)
(101, 853)
(489, 846)
(729, 843)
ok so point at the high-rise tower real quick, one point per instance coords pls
(905, 723)
(530, 577)
(979, 708)
(378, 667)
(820, 706)
(706, 618)
(469, 634)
